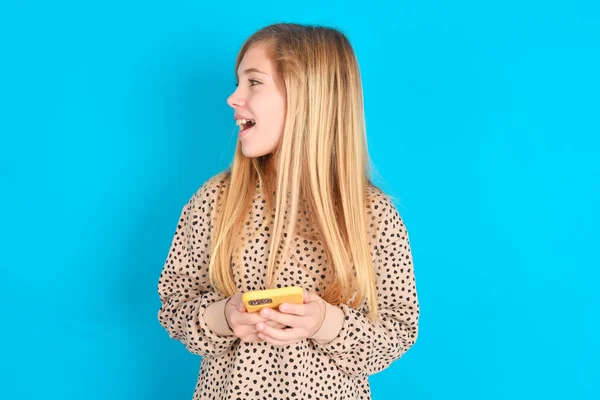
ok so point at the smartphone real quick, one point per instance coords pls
(256, 300)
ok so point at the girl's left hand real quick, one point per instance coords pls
(303, 320)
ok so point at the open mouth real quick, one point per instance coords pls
(245, 124)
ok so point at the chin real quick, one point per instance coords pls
(253, 154)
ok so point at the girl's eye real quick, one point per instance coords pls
(251, 80)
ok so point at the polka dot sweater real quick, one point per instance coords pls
(313, 368)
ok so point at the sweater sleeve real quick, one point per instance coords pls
(362, 347)
(184, 287)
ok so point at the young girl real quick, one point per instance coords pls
(295, 208)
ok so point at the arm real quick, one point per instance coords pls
(184, 287)
(358, 346)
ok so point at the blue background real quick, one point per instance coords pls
(483, 121)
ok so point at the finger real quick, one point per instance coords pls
(254, 318)
(236, 302)
(241, 307)
(272, 341)
(246, 318)
(309, 297)
(285, 319)
(296, 309)
(275, 324)
(252, 338)
(284, 335)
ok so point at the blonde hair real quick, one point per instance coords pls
(321, 166)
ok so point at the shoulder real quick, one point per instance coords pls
(210, 188)
(385, 217)
(204, 198)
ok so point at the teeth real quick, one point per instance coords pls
(242, 121)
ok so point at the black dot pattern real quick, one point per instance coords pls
(232, 369)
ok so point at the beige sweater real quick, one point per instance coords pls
(336, 362)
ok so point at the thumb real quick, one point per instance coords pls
(241, 307)
(308, 296)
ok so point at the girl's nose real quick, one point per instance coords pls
(235, 100)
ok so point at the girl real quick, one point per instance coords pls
(295, 208)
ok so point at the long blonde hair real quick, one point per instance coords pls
(321, 165)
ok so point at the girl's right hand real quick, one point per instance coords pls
(244, 323)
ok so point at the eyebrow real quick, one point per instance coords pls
(254, 70)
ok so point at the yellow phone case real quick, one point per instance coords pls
(272, 298)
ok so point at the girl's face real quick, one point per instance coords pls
(257, 98)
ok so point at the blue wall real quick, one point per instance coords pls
(483, 120)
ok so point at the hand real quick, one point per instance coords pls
(244, 323)
(303, 320)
